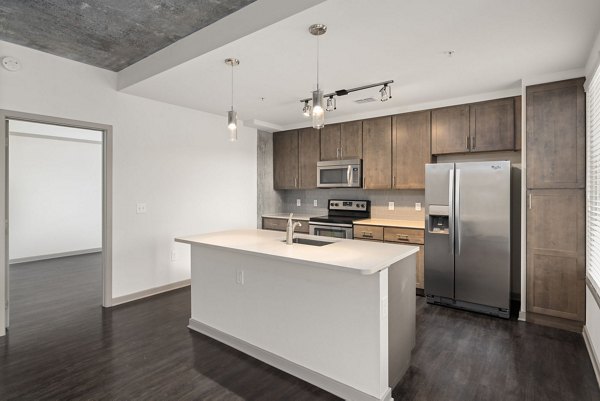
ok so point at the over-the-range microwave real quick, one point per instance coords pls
(339, 174)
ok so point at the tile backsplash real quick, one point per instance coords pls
(404, 201)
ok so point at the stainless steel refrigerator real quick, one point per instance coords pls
(467, 236)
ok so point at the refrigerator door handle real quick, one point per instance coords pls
(457, 208)
(451, 210)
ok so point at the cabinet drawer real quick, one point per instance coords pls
(404, 235)
(368, 232)
(269, 223)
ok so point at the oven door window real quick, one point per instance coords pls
(330, 232)
(333, 175)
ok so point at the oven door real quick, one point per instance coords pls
(331, 230)
(339, 174)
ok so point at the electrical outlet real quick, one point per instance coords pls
(173, 255)
(417, 206)
(390, 205)
(239, 277)
(298, 202)
(315, 203)
(140, 208)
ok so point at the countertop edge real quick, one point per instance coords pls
(365, 272)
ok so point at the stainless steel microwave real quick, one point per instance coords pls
(339, 174)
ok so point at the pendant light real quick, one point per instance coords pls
(232, 114)
(318, 112)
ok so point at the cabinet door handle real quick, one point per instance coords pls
(467, 144)
(393, 181)
(402, 237)
(337, 153)
(342, 152)
(473, 141)
(530, 200)
(364, 182)
(296, 182)
(367, 234)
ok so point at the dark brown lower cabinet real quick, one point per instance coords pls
(396, 235)
(556, 257)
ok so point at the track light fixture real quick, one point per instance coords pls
(331, 104)
(232, 114)
(386, 93)
(307, 109)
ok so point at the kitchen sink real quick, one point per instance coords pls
(312, 242)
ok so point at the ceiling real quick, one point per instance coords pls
(110, 34)
(496, 44)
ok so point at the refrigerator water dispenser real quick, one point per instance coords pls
(439, 219)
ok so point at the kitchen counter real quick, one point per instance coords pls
(297, 216)
(342, 254)
(418, 224)
(339, 316)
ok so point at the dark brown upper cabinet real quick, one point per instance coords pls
(341, 141)
(479, 127)
(285, 160)
(556, 135)
(492, 125)
(295, 157)
(450, 130)
(308, 156)
(377, 153)
(411, 149)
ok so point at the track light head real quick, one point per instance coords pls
(385, 92)
(307, 109)
(331, 104)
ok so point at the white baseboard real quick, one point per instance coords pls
(150, 292)
(593, 356)
(53, 256)
(326, 383)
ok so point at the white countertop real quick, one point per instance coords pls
(364, 257)
(418, 224)
(297, 216)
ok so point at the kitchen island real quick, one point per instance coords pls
(339, 314)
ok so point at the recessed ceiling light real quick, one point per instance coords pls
(449, 53)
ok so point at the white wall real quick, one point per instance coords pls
(55, 196)
(177, 160)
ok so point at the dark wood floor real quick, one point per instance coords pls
(63, 345)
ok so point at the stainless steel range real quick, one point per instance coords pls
(338, 223)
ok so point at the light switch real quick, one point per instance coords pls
(390, 205)
(315, 203)
(417, 206)
(140, 208)
(298, 202)
(173, 255)
(239, 277)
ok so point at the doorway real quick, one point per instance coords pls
(52, 229)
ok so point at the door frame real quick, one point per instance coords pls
(107, 162)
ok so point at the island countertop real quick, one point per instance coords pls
(363, 257)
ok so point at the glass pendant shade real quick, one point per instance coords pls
(232, 125)
(318, 114)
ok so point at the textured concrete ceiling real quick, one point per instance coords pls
(111, 34)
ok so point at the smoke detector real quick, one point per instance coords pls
(11, 63)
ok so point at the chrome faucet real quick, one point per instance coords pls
(289, 233)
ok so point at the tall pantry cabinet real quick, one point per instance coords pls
(555, 115)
